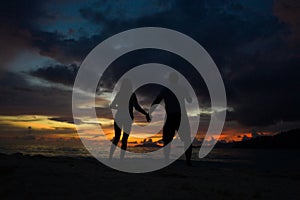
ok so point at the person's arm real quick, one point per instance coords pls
(137, 106)
(158, 99)
(113, 104)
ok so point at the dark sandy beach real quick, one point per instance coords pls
(40, 177)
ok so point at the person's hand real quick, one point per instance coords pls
(148, 117)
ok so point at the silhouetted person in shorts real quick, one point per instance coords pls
(175, 117)
(122, 121)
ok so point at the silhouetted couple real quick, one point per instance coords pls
(174, 119)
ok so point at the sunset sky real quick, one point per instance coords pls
(255, 44)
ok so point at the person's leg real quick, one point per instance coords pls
(124, 141)
(126, 132)
(115, 140)
(185, 136)
(168, 134)
(188, 153)
(124, 145)
(167, 150)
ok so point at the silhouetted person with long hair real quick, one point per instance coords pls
(122, 121)
(175, 117)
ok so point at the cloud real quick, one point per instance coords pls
(57, 73)
(21, 30)
(61, 48)
(16, 24)
(69, 120)
(101, 11)
(248, 44)
(32, 99)
(265, 94)
(288, 12)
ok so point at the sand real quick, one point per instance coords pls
(40, 177)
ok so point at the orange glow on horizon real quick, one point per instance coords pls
(52, 129)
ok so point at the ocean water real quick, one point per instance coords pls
(45, 150)
(264, 158)
(75, 151)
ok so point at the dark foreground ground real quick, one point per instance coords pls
(39, 177)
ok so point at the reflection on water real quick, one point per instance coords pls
(261, 157)
(45, 150)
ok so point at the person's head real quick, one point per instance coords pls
(173, 77)
(126, 85)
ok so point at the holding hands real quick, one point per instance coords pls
(148, 118)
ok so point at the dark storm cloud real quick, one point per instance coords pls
(57, 73)
(149, 92)
(16, 25)
(92, 15)
(249, 46)
(61, 48)
(288, 12)
(32, 100)
(268, 93)
(20, 30)
(22, 14)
